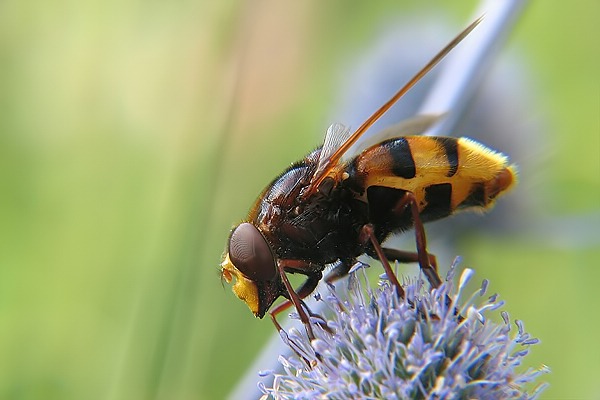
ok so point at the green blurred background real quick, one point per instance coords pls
(134, 134)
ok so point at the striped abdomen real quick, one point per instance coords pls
(445, 174)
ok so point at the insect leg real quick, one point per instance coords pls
(422, 256)
(408, 256)
(339, 271)
(307, 288)
(295, 298)
(368, 233)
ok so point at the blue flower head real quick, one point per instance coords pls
(433, 344)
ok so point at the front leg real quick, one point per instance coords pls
(295, 298)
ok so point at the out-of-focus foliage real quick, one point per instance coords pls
(132, 135)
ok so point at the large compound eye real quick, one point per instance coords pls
(251, 254)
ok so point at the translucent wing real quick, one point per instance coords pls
(328, 162)
(336, 135)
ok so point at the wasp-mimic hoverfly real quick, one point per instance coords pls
(328, 208)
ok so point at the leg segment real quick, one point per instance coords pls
(295, 298)
(407, 256)
(422, 256)
(339, 271)
(368, 234)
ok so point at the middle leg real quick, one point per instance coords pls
(368, 234)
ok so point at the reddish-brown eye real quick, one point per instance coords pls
(251, 254)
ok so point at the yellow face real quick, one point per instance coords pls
(244, 288)
(250, 260)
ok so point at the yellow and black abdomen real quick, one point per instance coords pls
(445, 174)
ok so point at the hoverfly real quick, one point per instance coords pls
(328, 208)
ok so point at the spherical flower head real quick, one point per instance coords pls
(432, 344)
